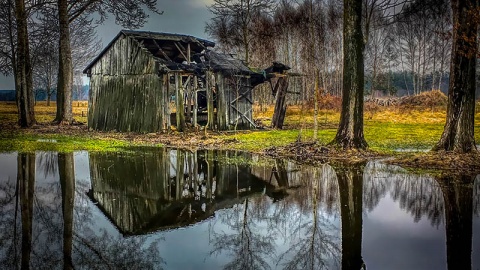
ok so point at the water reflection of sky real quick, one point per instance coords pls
(391, 238)
(392, 241)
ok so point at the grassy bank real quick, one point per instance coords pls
(387, 130)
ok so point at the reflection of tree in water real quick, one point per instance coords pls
(377, 183)
(247, 246)
(313, 240)
(476, 196)
(26, 183)
(50, 225)
(457, 191)
(350, 187)
(48, 163)
(8, 251)
(420, 196)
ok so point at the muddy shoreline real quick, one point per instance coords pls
(303, 152)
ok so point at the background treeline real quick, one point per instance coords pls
(407, 51)
(46, 44)
(80, 92)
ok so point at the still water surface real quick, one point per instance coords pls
(153, 209)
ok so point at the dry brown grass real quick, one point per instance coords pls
(43, 113)
(427, 99)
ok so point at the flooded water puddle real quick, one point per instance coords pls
(169, 209)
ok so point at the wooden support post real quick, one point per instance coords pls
(222, 112)
(179, 98)
(280, 104)
(163, 103)
(188, 89)
(195, 100)
(210, 109)
(168, 94)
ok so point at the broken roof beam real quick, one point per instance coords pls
(162, 51)
(180, 48)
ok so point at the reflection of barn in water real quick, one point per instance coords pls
(145, 193)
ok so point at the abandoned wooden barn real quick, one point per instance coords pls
(146, 81)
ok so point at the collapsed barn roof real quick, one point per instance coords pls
(184, 53)
(166, 48)
(174, 52)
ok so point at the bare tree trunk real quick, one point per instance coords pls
(350, 130)
(65, 68)
(23, 69)
(458, 133)
(316, 95)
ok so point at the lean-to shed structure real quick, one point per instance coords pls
(147, 82)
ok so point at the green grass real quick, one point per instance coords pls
(386, 131)
(388, 137)
(60, 143)
(384, 137)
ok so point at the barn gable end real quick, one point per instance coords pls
(126, 91)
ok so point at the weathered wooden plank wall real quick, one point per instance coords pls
(210, 79)
(126, 92)
(180, 102)
(222, 103)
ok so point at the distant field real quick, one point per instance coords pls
(43, 113)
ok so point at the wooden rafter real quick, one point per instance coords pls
(161, 51)
(180, 47)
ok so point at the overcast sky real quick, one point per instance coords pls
(179, 16)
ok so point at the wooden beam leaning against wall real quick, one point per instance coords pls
(195, 100)
(190, 91)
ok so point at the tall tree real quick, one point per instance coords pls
(459, 127)
(128, 13)
(65, 67)
(84, 45)
(350, 130)
(23, 68)
(8, 37)
(9, 54)
(233, 22)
